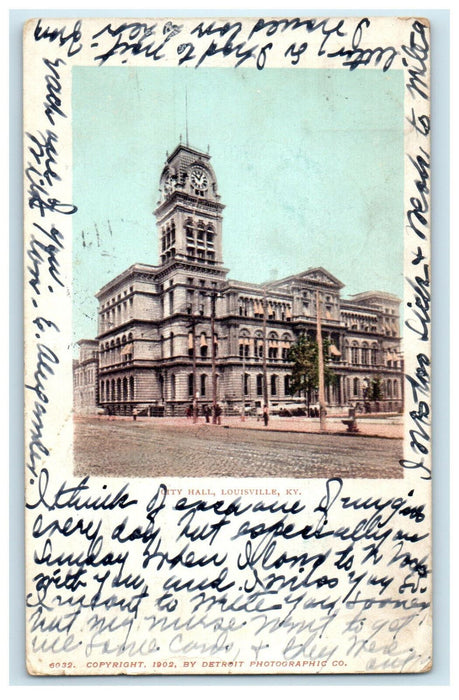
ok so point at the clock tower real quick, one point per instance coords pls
(189, 211)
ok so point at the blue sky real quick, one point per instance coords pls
(309, 165)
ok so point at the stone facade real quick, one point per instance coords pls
(156, 322)
(85, 378)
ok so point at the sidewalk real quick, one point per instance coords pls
(371, 426)
(388, 428)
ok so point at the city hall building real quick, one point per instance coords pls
(180, 331)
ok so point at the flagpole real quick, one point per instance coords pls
(265, 349)
(322, 412)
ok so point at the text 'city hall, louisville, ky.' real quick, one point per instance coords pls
(181, 332)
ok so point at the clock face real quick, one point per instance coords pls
(199, 180)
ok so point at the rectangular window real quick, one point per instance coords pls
(259, 385)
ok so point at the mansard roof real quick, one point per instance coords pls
(192, 153)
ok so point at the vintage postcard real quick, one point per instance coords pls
(227, 322)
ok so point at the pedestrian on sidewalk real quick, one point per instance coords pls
(265, 415)
(218, 414)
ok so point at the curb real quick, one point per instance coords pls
(343, 433)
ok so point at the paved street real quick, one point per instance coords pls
(152, 447)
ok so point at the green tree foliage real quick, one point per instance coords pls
(375, 392)
(304, 355)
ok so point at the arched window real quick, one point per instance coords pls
(118, 389)
(244, 344)
(102, 391)
(395, 389)
(125, 388)
(365, 354)
(285, 347)
(355, 354)
(389, 388)
(356, 386)
(190, 385)
(113, 395)
(274, 385)
(203, 345)
(172, 386)
(258, 344)
(131, 388)
(273, 346)
(171, 344)
(203, 384)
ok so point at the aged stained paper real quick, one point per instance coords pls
(227, 320)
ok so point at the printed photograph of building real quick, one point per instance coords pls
(183, 335)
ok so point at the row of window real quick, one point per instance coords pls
(199, 234)
(390, 331)
(117, 314)
(85, 377)
(117, 389)
(357, 388)
(247, 379)
(168, 236)
(117, 350)
(364, 355)
(255, 349)
(124, 389)
(113, 300)
(253, 308)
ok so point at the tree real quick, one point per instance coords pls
(304, 355)
(375, 392)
